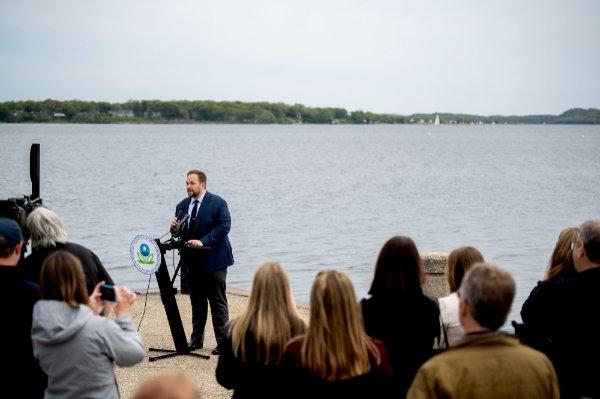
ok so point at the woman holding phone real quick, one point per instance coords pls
(75, 346)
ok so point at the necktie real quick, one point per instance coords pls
(193, 217)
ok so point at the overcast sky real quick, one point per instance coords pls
(468, 56)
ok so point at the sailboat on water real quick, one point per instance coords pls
(437, 120)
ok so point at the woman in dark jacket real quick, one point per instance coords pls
(398, 313)
(560, 268)
(250, 360)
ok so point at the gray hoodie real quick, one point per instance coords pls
(76, 349)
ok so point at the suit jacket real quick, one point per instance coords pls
(213, 223)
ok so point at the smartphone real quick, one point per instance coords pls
(107, 293)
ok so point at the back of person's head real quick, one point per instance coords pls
(10, 237)
(561, 260)
(489, 292)
(398, 270)
(168, 385)
(336, 346)
(589, 235)
(62, 279)
(46, 228)
(459, 261)
(271, 317)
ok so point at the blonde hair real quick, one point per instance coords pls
(62, 279)
(168, 385)
(270, 319)
(459, 261)
(336, 346)
(46, 228)
(561, 261)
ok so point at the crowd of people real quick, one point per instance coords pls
(398, 342)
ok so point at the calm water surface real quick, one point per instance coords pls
(317, 197)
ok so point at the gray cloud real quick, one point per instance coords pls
(507, 57)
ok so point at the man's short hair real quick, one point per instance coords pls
(589, 235)
(46, 228)
(201, 175)
(489, 292)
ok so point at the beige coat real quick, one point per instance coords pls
(489, 365)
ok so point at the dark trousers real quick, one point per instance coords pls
(208, 288)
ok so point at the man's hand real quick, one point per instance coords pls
(174, 222)
(195, 243)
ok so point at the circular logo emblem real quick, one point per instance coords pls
(145, 254)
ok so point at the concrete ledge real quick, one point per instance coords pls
(436, 284)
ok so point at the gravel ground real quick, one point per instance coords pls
(156, 333)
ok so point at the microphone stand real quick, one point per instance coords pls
(167, 295)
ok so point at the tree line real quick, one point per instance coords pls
(157, 111)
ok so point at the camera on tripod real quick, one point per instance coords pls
(19, 208)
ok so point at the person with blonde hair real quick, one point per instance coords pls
(399, 313)
(75, 346)
(168, 385)
(460, 261)
(250, 361)
(48, 235)
(561, 261)
(336, 357)
(560, 268)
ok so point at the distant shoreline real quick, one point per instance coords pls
(254, 113)
(190, 123)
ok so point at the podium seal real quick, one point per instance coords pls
(145, 254)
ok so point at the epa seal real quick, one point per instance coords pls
(145, 254)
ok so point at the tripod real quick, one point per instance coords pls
(167, 295)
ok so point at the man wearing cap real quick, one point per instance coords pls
(17, 297)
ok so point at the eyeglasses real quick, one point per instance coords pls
(574, 244)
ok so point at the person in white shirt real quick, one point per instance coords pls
(459, 261)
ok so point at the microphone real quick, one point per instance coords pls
(181, 217)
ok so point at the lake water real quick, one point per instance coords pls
(318, 197)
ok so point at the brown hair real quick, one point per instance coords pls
(201, 175)
(489, 292)
(561, 261)
(459, 261)
(399, 270)
(62, 279)
(336, 346)
(271, 317)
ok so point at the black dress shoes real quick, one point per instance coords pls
(193, 345)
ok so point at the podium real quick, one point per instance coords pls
(167, 295)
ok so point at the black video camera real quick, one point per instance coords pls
(19, 208)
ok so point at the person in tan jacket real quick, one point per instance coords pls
(486, 363)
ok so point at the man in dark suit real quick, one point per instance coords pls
(206, 269)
